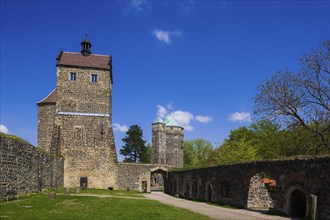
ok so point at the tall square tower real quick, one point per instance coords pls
(81, 127)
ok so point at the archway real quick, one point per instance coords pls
(209, 192)
(194, 190)
(158, 177)
(261, 185)
(298, 204)
(186, 191)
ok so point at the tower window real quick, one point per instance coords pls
(73, 76)
(94, 78)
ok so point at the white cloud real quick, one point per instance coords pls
(4, 129)
(183, 118)
(166, 36)
(138, 4)
(203, 119)
(240, 117)
(162, 111)
(118, 127)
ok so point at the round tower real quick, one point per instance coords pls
(174, 143)
(158, 142)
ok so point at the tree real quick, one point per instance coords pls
(301, 99)
(146, 154)
(134, 144)
(196, 153)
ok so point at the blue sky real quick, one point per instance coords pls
(199, 60)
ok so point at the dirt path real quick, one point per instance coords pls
(212, 211)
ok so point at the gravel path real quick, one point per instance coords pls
(212, 211)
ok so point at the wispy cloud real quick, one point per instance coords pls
(4, 129)
(136, 6)
(187, 7)
(203, 118)
(240, 117)
(183, 118)
(166, 37)
(118, 127)
(162, 111)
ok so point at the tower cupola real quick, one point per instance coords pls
(86, 47)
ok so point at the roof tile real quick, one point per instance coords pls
(77, 60)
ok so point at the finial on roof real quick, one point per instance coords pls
(85, 47)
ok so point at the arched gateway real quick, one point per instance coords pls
(158, 177)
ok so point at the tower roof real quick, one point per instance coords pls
(95, 61)
(158, 120)
(50, 99)
(171, 122)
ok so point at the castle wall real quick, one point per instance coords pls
(174, 146)
(158, 144)
(88, 149)
(83, 95)
(231, 184)
(46, 118)
(131, 175)
(86, 138)
(24, 169)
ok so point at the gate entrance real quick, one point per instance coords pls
(83, 182)
(158, 178)
(298, 204)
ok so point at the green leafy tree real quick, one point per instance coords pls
(146, 154)
(134, 144)
(197, 153)
(239, 147)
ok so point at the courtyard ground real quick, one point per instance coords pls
(212, 211)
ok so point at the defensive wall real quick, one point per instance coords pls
(137, 177)
(25, 169)
(242, 185)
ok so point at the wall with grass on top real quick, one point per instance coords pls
(26, 169)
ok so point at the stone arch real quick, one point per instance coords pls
(187, 190)
(174, 187)
(194, 190)
(225, 188)
(259, 194)
(158, 177)
(209, 194)
(296, 201)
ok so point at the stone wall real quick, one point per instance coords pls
(46, 115)
(24, 169)
(231, 184)
(130, 175)
(158, 143)
(174, 146)
(89, 151)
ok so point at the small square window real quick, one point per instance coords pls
(73, 76)
(94, 78)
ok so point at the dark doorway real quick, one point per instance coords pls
(174, 187)
(209, 193)
(186, 190)
(298, 204)
(194, 190)
(83, 182)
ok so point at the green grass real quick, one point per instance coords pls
(75, 207)
(13, 137)
(103, 192)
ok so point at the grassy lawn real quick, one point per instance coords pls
(74, 207)
(104, 192)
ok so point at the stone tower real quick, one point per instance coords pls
(74, 121)
(167, 142)
(158, 142)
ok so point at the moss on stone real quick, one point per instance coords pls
(13, 137)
